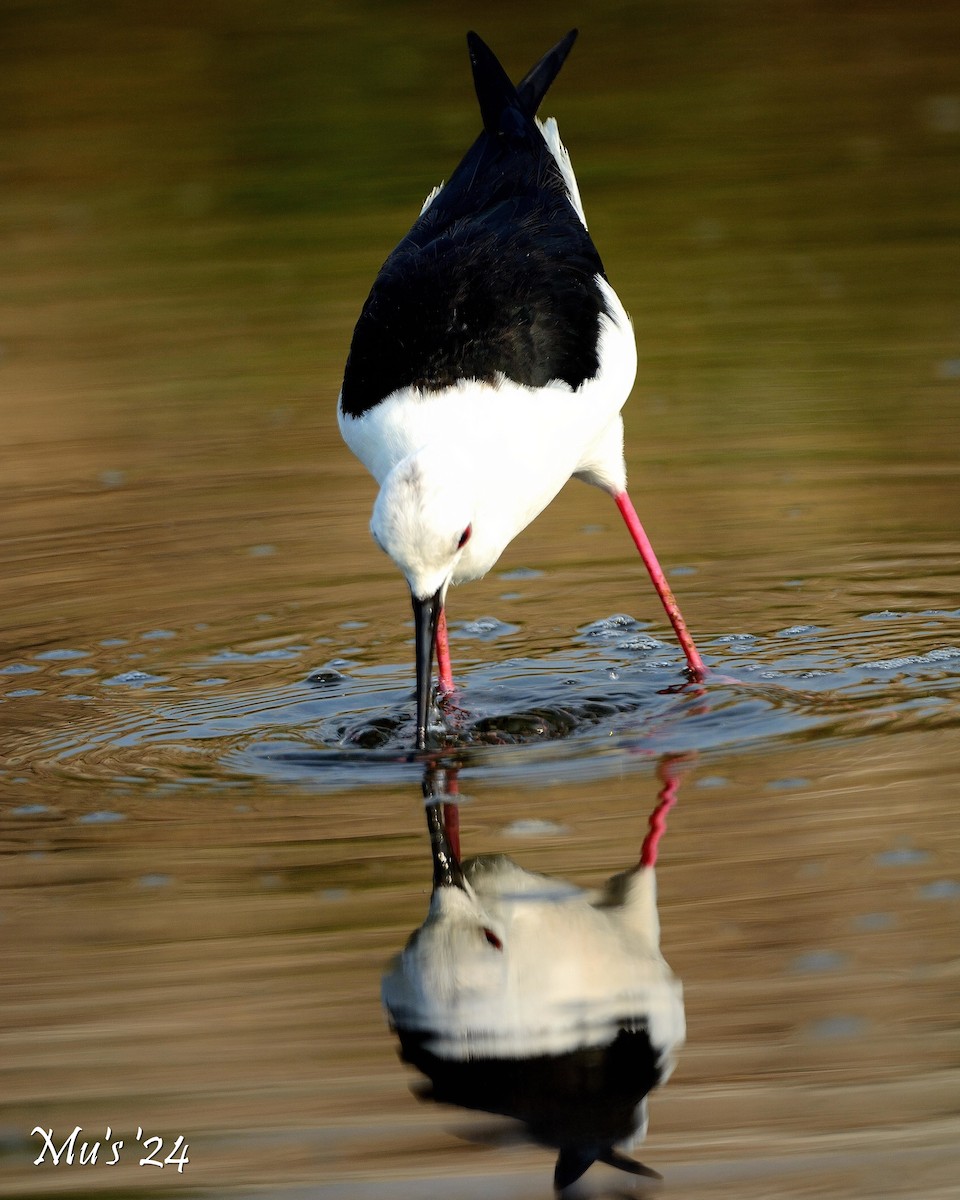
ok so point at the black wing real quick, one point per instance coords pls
(497, 277)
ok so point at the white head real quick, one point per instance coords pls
(424, 519)
(454, 963)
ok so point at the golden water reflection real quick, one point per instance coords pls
(213, 969)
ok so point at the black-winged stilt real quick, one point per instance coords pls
(522, 995)
(490, 364)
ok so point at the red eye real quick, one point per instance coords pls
(464, 537)
(493, 939)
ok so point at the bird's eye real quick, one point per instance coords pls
(492, 939)
(464, 537)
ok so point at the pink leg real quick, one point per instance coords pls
(642, 542)
(444, 670)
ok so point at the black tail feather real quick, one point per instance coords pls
(613, 1158)
(533, 86)
(495, 92)
(573, 1162)
(497, 95)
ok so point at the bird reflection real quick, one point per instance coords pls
(525, 996)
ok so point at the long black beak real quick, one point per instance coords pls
(425, 616)
(447, 871)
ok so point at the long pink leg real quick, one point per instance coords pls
(444, 669)
(642, 542)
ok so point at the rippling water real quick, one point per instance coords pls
(211, 821)
(131, 711)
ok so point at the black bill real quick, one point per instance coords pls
(425, 616)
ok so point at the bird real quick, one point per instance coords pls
(523, 995)
(489, 365)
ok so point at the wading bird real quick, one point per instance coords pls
(490, 363)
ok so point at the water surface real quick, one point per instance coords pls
(211, 823)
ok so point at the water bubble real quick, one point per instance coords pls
(132, 679)
(485, 629)
(326, 677)
(610, 629)
(943, 654)
(644, 643)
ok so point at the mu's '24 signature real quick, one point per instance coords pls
(106, 1151)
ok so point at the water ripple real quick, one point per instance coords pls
(607, 702)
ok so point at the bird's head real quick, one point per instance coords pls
(423, 518)
(454, 966)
